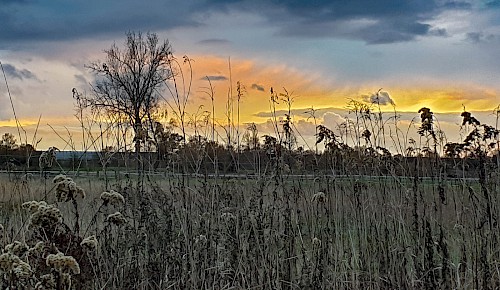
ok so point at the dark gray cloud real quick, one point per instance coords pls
(493, 4)
(257, 87)
(383, 21)
(215, 78)
(214, 41)
(16, 73)
(438, 32)
(479, 37)
(374, 22)
(61, 20)
(81, 80)
(474, 37)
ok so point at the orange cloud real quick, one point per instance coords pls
(312, 89)
(308, 89)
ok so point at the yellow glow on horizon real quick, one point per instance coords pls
(312, 91)
(445, 99)
(12, 123)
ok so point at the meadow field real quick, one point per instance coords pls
(276, 231)
(180, 200)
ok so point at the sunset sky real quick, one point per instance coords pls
(435, 53)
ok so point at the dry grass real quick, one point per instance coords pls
(349, 233)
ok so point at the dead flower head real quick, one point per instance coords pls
(22, 270)
(116, 218)
(13, 264)
(33, 205)
(66, 188)
(8, 261)
(89, 243)
(17, 248)
(62, 263)
(47, 281)
(38, 249)
(112, 197)
(45, 216)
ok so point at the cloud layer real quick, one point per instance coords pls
(16, 73)
(374, 22)
(441, 54)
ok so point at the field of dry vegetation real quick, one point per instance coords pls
(349, 217)
(272, 232)
(351, 214)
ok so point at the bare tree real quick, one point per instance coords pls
(129, 82)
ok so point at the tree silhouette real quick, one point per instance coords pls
(128, 84)
(8, 141)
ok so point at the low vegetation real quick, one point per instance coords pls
(278, 230)
(186, 212)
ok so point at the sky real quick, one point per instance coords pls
(434, 53)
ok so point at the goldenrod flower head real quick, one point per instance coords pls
(47, 158)
(112, 197)
(66, 188)
(16, 248)
(47, 282)
(8, 261)
(33, 205)
(89, 243)
(12, 263)
(22, 270)
(39, 248)
(80, 191)
(116, 218)
(62, 263)
(59, 178)
(46, 216)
